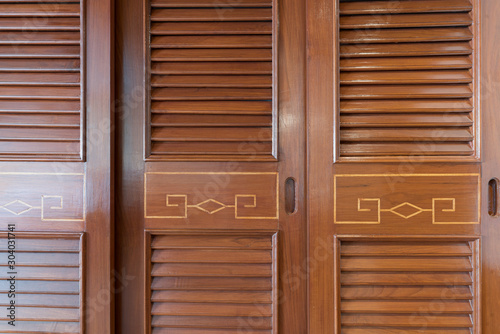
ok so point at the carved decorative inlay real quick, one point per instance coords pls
(364, 198)
(51, 196)
(236, 195)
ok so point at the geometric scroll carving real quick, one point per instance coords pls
(51, 197)
(457, 203)
(224, 195)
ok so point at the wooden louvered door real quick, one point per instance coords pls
(403, 142)
(210, 219)
(55, 149)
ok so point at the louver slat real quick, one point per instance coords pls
(213, 66)
(41, 86)
(407, 83)
(408, 286)
(49, 283)
(213, 283)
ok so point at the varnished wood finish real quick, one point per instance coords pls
(217, 62)
(215, 82)
(42, 62)
(373, 67)
(49, 295)
(435, 61)
(490, 102)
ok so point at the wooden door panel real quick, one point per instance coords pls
(398, 190)
(55, 176)
(210, 128)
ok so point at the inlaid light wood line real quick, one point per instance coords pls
(433, 210)
(223, 205)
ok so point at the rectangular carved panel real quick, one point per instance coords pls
(407, 198)
(42, 197)
(212, 282)
(212, 200)
(408, 285)
(408, 79)
(212, 88)
(41, 79)
(48, 283)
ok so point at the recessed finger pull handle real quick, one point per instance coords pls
(290, 196)
(493, 200)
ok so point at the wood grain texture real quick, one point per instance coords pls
(398, 54)
(49, 287)
(177, 259)
(42, 77)
(447, 303)
(213, 55)
(490, 100)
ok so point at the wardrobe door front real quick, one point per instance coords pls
(210, 219)
(55, 184)
(400, 197)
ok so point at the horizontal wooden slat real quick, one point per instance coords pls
(410, 248)
(406, 35)
(72, 134)
(40, 92)
(210, 120)
(39, 120)
(47, 259)
(47, 274)
(41, 38)
(47, 23)
(39, 10)
(402, 120)
(414, 6)
(405, 279)
(408, 135)
(212, 309)
(44, 106)
(212, 42)
(453, 321)
(405, 49)
(45, 65)
(45, 314)
(212, 28)
(246, 297)
(239, 148)
(65, 79)
(361, 92)
(56, 287)
(211, 54)
(212, 14)
(406, 106)
(215, 241)
(212, 283)
(407, 330)
(225, 94)
(211, 256)
(29, 327)
(212, 68)
(49, 148)
(207, 331)
(431, 149)
(43, 300)
(54, 244)
(209, 3)
(405, 307)
(406, 77)
(211, 107)
(407, 63)
(196, 322)
(228, 81)
(406, 293)
(210, 270)
(408, 264)
(406, 21)
(212, 134)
